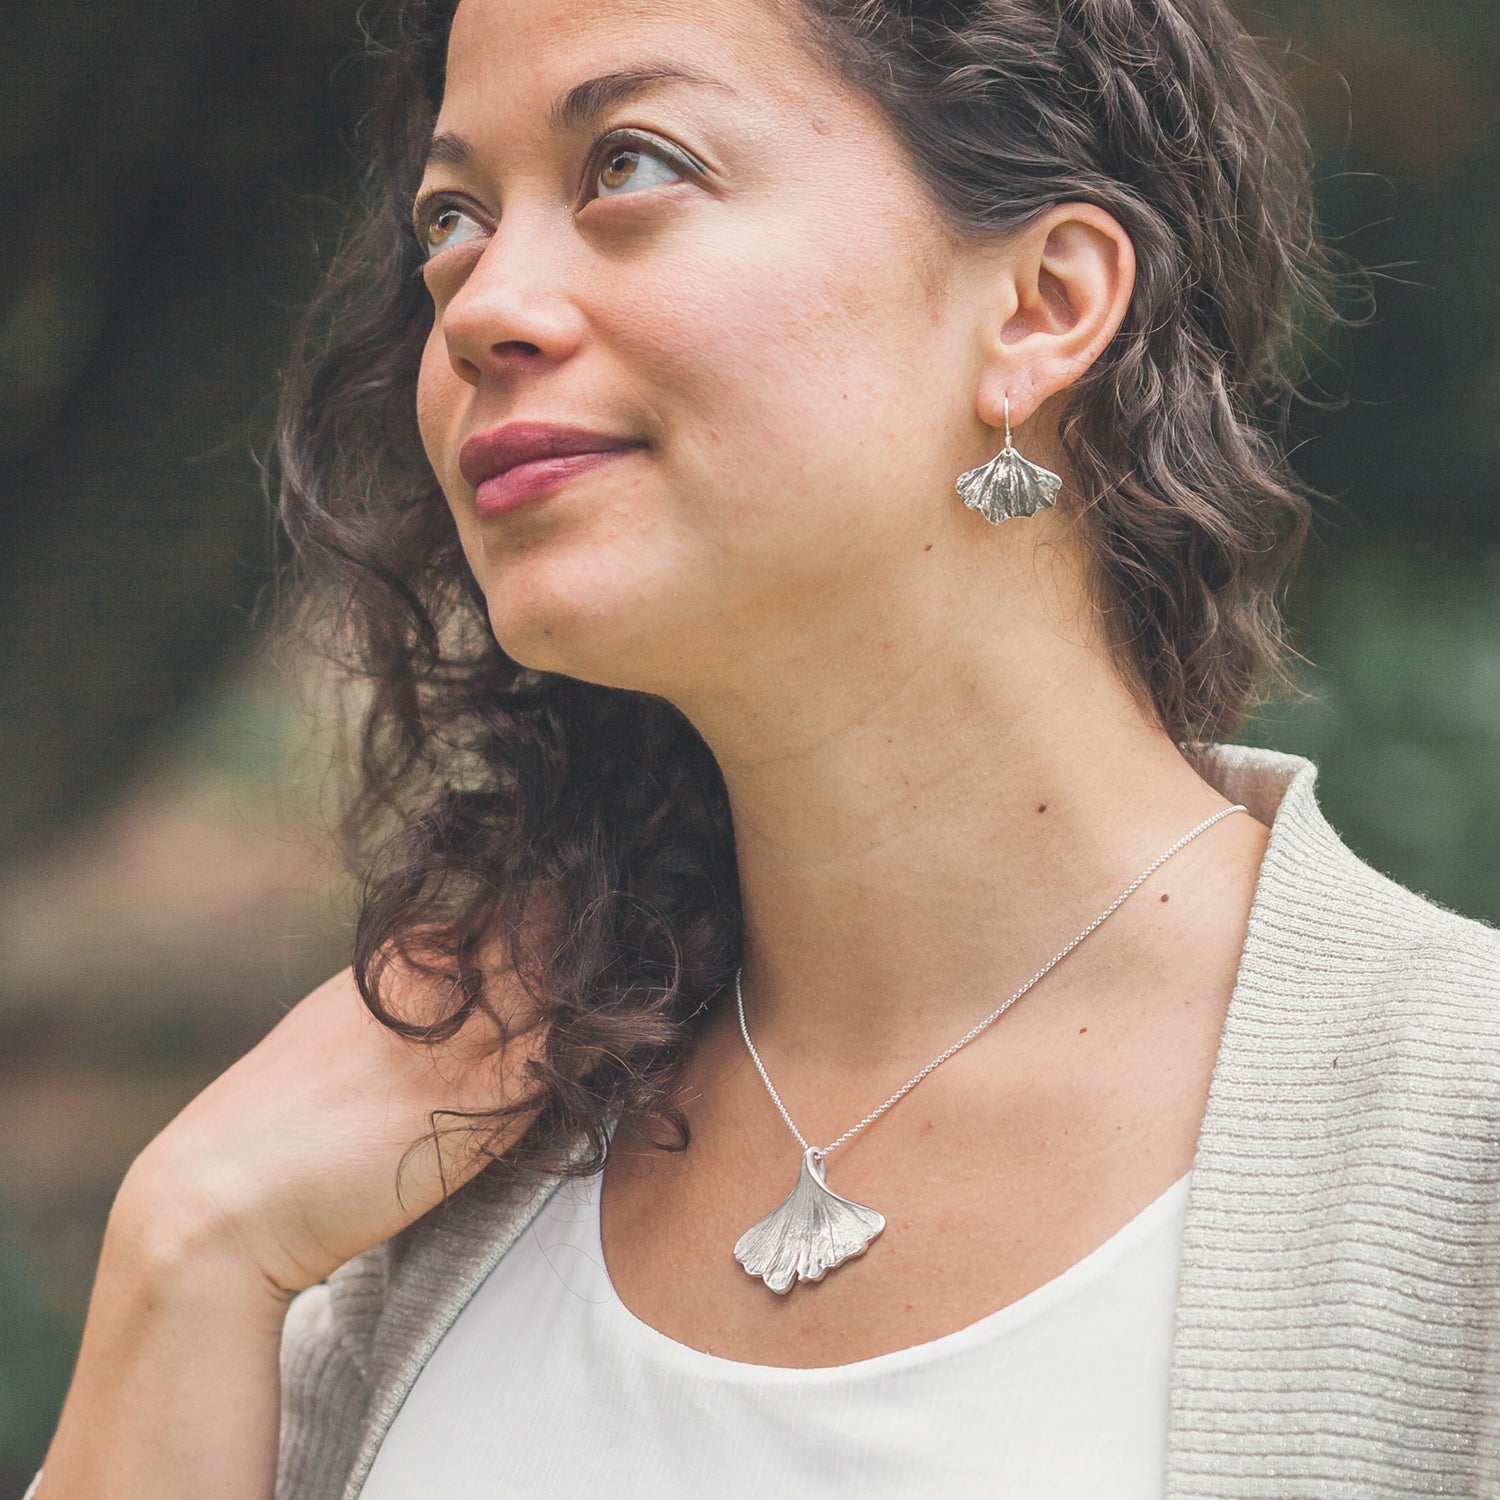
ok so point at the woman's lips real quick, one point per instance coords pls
(530, 481)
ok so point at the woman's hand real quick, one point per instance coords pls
(289, 1158)
(282, 1169)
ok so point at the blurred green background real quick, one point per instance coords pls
(172, 176)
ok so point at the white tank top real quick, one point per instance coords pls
(547, 1387)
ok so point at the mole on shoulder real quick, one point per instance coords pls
(1042, 807)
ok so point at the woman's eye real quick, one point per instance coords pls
(619, 167)
(444, 225)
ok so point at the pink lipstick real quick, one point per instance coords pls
(522, 461)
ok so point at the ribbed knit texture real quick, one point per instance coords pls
(1337, 1297)
(1338, 1313)
(1337, 1330)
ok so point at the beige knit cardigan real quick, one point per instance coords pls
(1338, 1308)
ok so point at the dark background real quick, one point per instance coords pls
(172, 176)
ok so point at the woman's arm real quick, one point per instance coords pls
(279, 1173)
(175, 1395)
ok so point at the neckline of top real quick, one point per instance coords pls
(1164, 1211)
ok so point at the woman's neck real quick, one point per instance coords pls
(925, 817)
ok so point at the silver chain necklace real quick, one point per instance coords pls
(815, 1229)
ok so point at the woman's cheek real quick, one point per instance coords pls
(440, 397)
(706, 348)
(439, 391)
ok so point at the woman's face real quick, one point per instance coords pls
(740, 275)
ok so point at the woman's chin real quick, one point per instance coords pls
(587, 644)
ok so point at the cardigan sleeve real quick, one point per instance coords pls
(324, 1394)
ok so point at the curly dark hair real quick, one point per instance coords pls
(582, 832)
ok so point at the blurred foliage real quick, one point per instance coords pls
(1404, 721)
(1397, 603)
(39, 1346)
(172, 176)
(169, 173)
(1401, 106)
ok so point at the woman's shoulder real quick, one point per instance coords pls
(1396, 931)
(1365, 1023)
(1415, 986)
(352, 1344)
(1359, 933)
(1326, 920)
(1360, 1060)
(327, 1374)
(1433, 951)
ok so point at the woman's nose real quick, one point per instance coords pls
(511, 309)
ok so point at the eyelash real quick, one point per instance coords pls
(428, 209)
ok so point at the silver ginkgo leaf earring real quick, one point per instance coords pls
(1008, 485)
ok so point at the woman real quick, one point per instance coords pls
(897, 1046)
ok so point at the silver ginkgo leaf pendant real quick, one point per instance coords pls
(1008, 486)
(813, 1231)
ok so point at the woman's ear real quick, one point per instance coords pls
(1067, 282)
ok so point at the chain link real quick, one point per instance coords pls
(989, 1020)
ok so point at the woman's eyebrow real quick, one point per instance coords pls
(583, 103)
